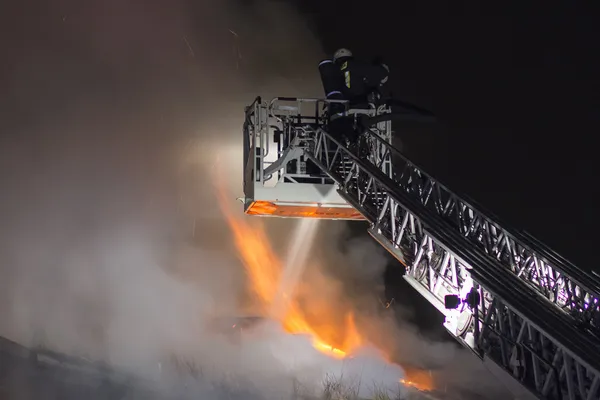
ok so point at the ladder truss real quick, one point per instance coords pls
(502, 318)
(566, 286)
(506, 296)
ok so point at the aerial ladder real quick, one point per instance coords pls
(530, 315)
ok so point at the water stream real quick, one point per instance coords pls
(299, 250)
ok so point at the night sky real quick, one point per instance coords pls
(516, 92)
(517, 98)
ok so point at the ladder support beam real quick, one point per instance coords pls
(521, 331)
(510, 299)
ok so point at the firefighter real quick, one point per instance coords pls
(345, 78)
(362, 82)
(362, 85)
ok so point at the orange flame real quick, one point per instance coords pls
(331, 333)
(422, 385)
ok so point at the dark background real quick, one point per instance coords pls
(516, 92)
(515, 89)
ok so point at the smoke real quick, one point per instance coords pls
(357, 265)
(114, 115)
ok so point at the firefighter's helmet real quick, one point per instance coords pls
(340, 53)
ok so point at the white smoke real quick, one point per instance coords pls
(118, 111)
(114, 114)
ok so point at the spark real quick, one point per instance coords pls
(236, 49)
(387, 304)
(189, 47)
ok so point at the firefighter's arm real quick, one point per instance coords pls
(385, 73)
(378, 74)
